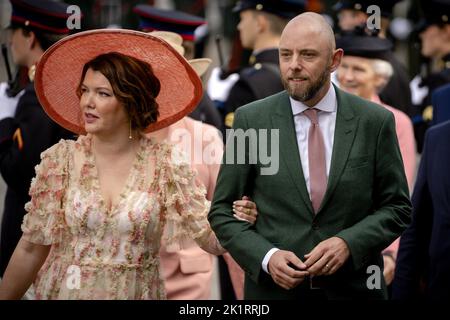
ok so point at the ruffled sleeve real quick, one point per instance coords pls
(185, 205)
(44, 222)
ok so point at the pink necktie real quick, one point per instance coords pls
(317, 162)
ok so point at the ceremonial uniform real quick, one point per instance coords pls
(262, 77)
(23, 138)
(30, 131)
(259, 80)
(423, 110)
(433, 31)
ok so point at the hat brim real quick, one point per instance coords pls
(240, 6)
(422, 25)
(58, 74)
(364, 46)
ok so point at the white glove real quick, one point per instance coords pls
(8, 105)
(417, 93)
(219, 89)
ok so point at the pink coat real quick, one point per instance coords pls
(407, 143)
(188, 272)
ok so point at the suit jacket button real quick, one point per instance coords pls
(315, 226)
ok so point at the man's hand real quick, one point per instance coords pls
(286, 269)
(327, 257)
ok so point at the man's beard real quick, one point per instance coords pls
(310, 91)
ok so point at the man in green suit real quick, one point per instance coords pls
(338, 194)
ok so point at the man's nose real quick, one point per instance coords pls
(295, 63)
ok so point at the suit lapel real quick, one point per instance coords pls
(283, 120)
(344, 135)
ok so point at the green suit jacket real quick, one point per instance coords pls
(366, 203)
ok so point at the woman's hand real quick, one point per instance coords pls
(389, 268)
(245, 210)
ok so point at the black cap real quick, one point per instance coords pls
(151, 18)
(434, 12)
(386, 6)
(287, 9)
(43, 15)
(360, 44)
(358, 5)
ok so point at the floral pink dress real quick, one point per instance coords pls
(98, 253)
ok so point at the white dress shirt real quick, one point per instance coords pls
(327, 122)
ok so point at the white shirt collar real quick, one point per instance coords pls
(328, 103)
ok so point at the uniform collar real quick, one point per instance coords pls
(446, 61)
(264, 56)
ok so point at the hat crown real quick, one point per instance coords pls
(283, 8)
(156, 19)
(362, 44)
(45, 15)
(172, 38)
(200, 65)
(436, 11)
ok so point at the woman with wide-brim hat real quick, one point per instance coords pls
(99, 204)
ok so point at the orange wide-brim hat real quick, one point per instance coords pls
(58, 74)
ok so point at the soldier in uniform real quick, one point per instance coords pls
(434, 33)
(260, 27)
(184, 24)
(353, 13)
(28, 131)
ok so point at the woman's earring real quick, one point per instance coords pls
(131, 135)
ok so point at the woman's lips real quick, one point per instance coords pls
(90, 118)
